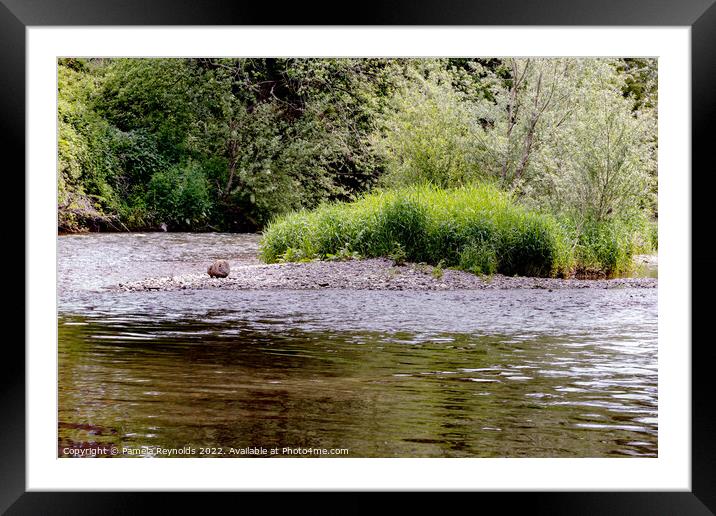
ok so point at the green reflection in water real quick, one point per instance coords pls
(223, 385)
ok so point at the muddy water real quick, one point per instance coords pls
(513, 373)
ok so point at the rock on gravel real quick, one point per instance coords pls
(219, 269)
(370, 274)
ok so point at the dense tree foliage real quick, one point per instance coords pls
(227, 144)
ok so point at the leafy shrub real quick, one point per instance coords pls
(398, 254)
(439, 270)
(179, 196)
(429, 135)
(344, 254)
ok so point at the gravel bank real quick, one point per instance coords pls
(370, 274)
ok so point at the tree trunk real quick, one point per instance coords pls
(232, 151)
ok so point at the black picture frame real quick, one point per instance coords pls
(700, 15)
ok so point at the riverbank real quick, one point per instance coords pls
(369, 274)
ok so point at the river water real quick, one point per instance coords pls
(487, 373)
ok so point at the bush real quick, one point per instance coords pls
(477, 228)
(429, 136)
(179, 196)
(85, 162)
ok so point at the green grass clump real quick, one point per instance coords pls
(478, 228)
(479, 258)
(605, 247)
(653, 235)
(609, 246)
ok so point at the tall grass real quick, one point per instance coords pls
(609, 246)
(477, 228)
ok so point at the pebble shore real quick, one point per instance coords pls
(369, 274)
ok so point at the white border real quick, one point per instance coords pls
(670, 471)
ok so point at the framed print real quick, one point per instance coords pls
(355, 250)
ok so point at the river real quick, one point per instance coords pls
(470, 373)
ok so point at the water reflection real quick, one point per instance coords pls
(177, 384)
